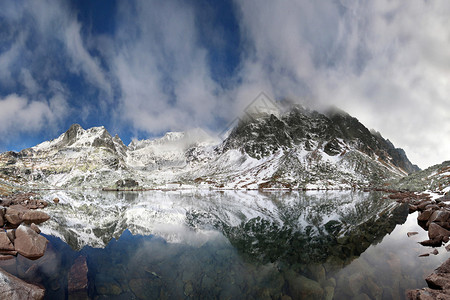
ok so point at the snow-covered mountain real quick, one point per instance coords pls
(299, 149)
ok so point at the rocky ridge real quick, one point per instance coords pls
(435, 178)
(301, 149)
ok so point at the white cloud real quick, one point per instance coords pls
(162, 70)
(18, 114)
(385, 62)
(82, 60)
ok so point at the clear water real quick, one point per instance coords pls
(231, 245)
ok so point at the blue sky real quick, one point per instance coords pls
(141, 68)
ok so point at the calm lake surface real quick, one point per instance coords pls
(231, 245)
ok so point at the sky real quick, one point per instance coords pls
(142, 68)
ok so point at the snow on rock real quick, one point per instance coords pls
(299, 150)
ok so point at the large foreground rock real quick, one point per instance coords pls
(438, 285)
(28, 243)
(13, 288)
(435, 231)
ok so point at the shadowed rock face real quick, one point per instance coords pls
(71, 135)
(263, 136)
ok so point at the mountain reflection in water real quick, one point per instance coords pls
(231, 245)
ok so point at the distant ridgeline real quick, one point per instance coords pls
(300, 149)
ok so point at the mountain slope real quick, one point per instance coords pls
(300, 149)
(435, 178)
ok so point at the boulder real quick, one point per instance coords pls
(2, 216)
(127, 183)
(435, 231)
(427, 294)
(28, 243)
(438, 283)
(412, 208)
(5, 242)
(35, 216)
(305, 288)
(77, 280)
(432, 243)
(438, 216)
(14, 214)
(11, 235)
(13, 288)
(35, 228)
(425, 215)
(423, 204)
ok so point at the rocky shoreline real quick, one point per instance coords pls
(433, 216)
(20, 235)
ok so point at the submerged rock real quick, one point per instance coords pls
(305, 288)
(77, 280)
(13, 288)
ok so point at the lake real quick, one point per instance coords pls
(231, 245)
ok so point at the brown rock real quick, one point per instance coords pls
(8, 252)
(435, 252)
(6, 257)
(42, 203)
(2, 216)
(440, 279)
(13, 288)
(5, 243)
(438, 216)
(35, 216)
(425, 215)
(435, 231)
(409, 234)
(424, 255)
(423, 204)
(35, 228)
(432, 207)
(28, 243)
(77, 281)
(412, 208)
(432, 243)
(11, 235)
(14, 214)
(56, 200)
(427, 294)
